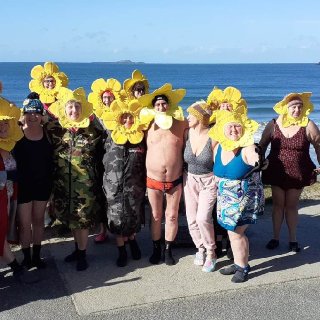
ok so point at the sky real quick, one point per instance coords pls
(168, 31)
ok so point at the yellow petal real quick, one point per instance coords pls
(37, 71)
(135, 137)
(146, 115)
(50, 68)
(232, 94)
(118, 138)
(163, 120)
(98, 85)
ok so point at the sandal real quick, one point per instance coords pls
(272, 244)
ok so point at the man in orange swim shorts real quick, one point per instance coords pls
(164, 170)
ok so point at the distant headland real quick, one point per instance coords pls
(122, 62)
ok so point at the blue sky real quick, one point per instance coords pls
(169, 31)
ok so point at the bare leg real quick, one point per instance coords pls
(291, 212)
(156, 201)
(38, 210)
(25, 217)
(278, 206)
(172, 210)
(240, 246)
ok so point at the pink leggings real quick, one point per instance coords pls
(200, 195)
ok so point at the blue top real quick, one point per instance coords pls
(235, 169)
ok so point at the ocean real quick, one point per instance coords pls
(262, 85)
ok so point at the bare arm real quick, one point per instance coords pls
(266, 136)
(250, 156)
(313, 135)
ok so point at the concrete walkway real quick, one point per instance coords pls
(105, 287)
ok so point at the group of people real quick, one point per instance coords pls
(94, 160)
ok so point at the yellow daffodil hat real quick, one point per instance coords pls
(39, 73)
(98, 88)
(112, 121)
(230, 95)
(136, 76)
(223, 117)
(163, 119)
(282, 109)
(201, 111)
(58, 108)
(10, 112)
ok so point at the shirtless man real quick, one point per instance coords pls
(164, 178)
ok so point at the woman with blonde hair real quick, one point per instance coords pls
(199, 184)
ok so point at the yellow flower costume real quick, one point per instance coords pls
(163, 119)
(100, 86)
(223, 117)
(10, 112)
(112, 121)
(229, 95)
(282, 109)
(58, 108)
(39, 73)
(137, 76)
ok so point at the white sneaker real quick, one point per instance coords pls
(199, 258)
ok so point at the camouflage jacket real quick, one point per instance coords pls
(124, 183)
(77, 182)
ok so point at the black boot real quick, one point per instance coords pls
(167, 254)
(36, 260)
(123, 257)
(26, 262)
(135, 250)
(156, 255)
(82, 263)
(74, 255)
(17, 269)
(218, 249)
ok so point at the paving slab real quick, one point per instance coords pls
(105, 287)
